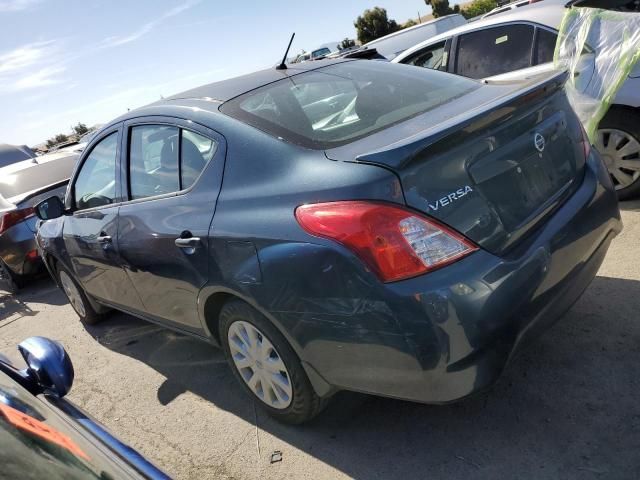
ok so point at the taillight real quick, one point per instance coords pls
(9, 219)
(395, 243)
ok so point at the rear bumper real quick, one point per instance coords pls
(15, 244)
(459, 326)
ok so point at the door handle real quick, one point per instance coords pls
(104, 238)
(191, 242)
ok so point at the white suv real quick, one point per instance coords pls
(520, 43)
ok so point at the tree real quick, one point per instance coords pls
(409, 23)
(346, 43)
(80, 128)
(60, 138)
(374, 24)
(440, 8)
(478, 7)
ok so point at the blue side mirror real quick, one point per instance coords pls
(48, 365)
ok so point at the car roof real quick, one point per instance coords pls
(405, 30)
(547, 12)
(233, 87)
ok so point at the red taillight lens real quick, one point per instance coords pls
(9, 219)
(395, 243)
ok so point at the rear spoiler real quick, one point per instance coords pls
(618, 5)
(23, 197)
(400, 151)
(366, 54)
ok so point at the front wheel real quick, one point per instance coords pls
(266, 365)
(618, 142)
(78, 298)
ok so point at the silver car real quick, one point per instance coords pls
(520, 44)
(22, 185)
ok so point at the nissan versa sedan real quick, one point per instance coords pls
(340, 225)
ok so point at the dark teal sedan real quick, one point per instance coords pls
(340, 225)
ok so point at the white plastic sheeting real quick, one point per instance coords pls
(600, 48)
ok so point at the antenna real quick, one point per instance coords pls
(282, 66)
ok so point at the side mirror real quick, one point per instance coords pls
(48, 365)
(50, 208)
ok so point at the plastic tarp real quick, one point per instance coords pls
(600, 48)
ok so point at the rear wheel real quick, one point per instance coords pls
(618, 142)
(266, 365)
(78, 298)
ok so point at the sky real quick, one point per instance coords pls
(64, 62)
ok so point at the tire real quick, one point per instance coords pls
(620, 128)
(303, 403)
(78, 298)
(8, 280)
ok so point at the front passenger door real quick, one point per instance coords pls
(90, 232)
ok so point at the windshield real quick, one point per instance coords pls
(338, 104)
(321, 52)
(10, 154)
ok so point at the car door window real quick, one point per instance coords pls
(196, 151)
(95, 184)
(493, 51)
(153, 161)
(433, 57)
(546, 46)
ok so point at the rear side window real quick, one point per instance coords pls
(195, 152)
(337, 104)
(546, 46)
(494, 51)
(433, 57)
(153, 161)
(95, 185)
(165, 159)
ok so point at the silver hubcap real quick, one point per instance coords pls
(260, 365)
(621, 154)
(72, 293)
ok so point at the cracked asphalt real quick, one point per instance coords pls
(567, 407)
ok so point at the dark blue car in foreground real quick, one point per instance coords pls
(42, 435)
(346, 225)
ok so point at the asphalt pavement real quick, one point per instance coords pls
(567, 407)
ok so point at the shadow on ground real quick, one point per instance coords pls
(567, 407)
(630, 205)
(39, 290)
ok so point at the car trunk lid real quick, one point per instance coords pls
(491, 164)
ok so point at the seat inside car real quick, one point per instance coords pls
(192, 162)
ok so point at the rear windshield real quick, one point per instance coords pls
(340, 103)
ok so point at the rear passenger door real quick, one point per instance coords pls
(494, 50)
(173, 174)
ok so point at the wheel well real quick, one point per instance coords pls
(212, 308)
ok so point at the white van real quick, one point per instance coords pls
(395, 43)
